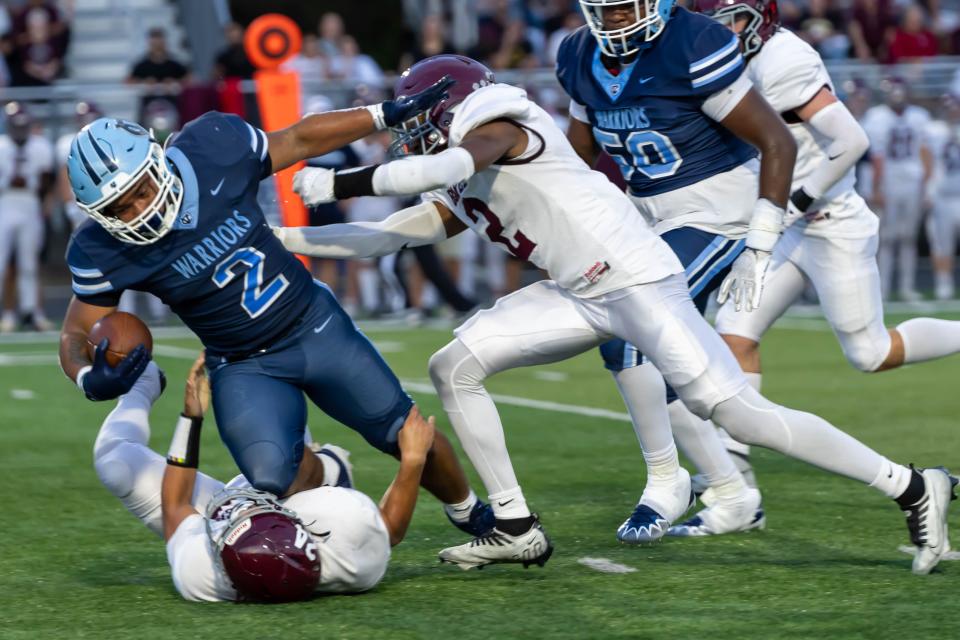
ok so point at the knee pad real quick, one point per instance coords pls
(863, 351)
(267, 467)
(115, 474)
(454, 363)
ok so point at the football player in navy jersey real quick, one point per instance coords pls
(662, 91)
(183, 224)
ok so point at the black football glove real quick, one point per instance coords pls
(103, 382)
(402, 109)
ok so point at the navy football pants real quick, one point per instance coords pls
(706, 258)
(259, 401)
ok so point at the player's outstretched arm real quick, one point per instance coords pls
(422, 224)
(396, 507)
(318, 134)
(183, 458)
(849, 142)
(413, 175)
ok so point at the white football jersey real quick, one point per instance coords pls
(788, 73)
(30, 161)
(352, 541)
(547, 206)
(897, 138)
(944, 141)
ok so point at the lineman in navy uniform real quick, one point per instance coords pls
(184, 224)
(662, 91)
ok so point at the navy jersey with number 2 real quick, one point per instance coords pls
(271, 333)
(648, 115)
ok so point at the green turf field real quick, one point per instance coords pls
(74, 563)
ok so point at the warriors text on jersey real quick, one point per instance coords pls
(648, 115)
(788, 73)
(548, 207)
(220, 269)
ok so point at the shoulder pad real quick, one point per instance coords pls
(486, 104)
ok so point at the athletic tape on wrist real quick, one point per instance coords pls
(185, 446)
(376, 111)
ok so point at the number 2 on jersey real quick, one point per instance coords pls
(521, 247)
(256, 298)
(649, 152)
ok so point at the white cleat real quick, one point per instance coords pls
(927, 520)
(724, 517)
(659, 506)
(497, 547)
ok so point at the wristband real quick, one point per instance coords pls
(185, 445)
(81, 375)
(765, 226)
(801, 199)
(354, 183)
(376, 112)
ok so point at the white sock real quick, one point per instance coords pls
(700, 442)
(331, 470)
(644, 393)
(750, 417)
(460, 511)
(509, 504)
(928, 339)
(662, 465)
(908, 266)
(892, 479)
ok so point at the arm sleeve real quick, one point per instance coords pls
(719, 105)
(89, 283)
(716, 61)
(849, 144)
(196, 573)
(418, 174)
(412, 227)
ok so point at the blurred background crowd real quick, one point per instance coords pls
(165, 62)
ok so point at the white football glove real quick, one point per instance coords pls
(745, 280)
(314, 185)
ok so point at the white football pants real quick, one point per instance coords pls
(899, 229)
(21, 232)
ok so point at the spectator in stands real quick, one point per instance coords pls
(912, 39)
(6, 44)
(869, 27)
(232, 61)
(823, 27)
(162, 76)
(432, 42)
(36, 57)
(502, 35)
(572, 21)
(331, 31)
(354, 66)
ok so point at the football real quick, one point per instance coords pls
(124, 330)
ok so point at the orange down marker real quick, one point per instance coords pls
(270, 41)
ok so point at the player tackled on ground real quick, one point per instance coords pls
(236, 543)
(488, 159)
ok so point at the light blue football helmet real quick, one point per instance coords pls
(110, 156)
(651, 17)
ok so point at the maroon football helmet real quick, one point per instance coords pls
(763, 19)
(19, 122)
(428, 132)
(263, 547)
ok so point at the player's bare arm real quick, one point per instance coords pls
(755, 121)
(831, 118)
(80, 318)
(318, 134)
(398, 502)
(183, 458)
(581, 139)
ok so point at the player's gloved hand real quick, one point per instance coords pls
(390, 113)
(103, 382)
(314, 185)
(745, 280)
